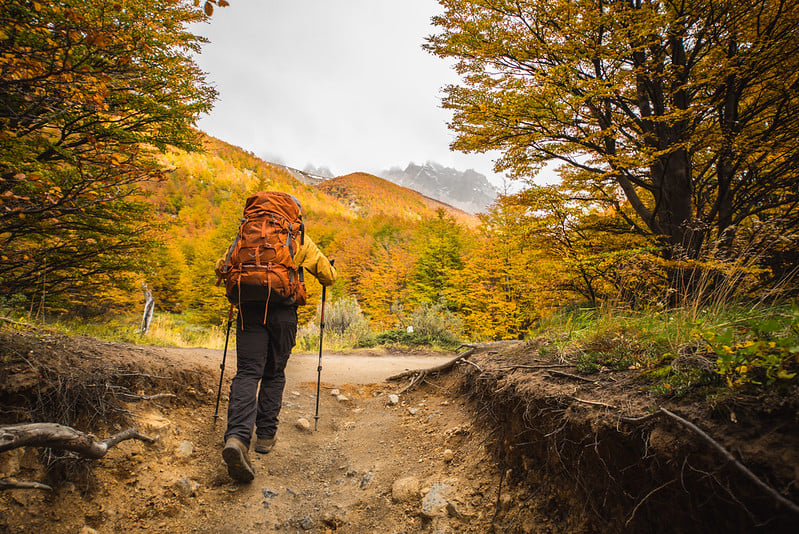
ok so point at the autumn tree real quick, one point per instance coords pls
(681, 116)
(89, 92)
(440, 242)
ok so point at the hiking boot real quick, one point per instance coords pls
(264, 445)
(238, 465)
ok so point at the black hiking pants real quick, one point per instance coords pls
(262, 351)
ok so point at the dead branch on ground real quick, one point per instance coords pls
(63, 437)
(55, 436)
(419, 374)
(11, 321)
(437, 369)
(7, 483)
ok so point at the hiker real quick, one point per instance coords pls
(271, 241)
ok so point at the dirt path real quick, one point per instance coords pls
(370, 467)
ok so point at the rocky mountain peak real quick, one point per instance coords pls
(468, 190)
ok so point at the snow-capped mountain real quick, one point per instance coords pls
(467, 190)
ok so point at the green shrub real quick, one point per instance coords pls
(345, 327)
(760, 351)
(430, 325)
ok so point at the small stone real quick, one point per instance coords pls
(187, 487)
(306, 523)
(413, 411)
(366, 479)
(295, 393)
(448, 455)
(435, 501)
(184, 449)
(268, 494)
(393, 399)
(405, 489)
(303, 424)
(342, 398)
(87, 530)
(335, 392)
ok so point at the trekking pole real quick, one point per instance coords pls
(222, 365)
(319, 367)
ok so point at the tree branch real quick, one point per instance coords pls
(63, 437)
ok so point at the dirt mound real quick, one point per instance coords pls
(591, 458)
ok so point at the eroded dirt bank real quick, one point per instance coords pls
(597, 456)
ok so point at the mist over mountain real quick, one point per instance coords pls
(468, 190)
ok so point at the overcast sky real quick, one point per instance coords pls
(342, 84)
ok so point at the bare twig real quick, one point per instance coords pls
(472, 363)
(792, 506)
(499, 498)
(6, 483)
(415, 380)
(632, 515)
(595, 403)
(11, 321)
(130, 397)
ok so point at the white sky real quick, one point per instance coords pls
(342, 84)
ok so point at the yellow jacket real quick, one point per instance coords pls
(310, 258)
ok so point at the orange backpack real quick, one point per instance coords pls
(259, 265)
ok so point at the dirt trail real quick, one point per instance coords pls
(338, 479)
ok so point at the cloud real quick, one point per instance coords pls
(343, 84)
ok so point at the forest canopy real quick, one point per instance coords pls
(90, 93)
(680, 118)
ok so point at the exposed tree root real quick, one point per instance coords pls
(792, 506)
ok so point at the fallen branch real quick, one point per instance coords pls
(792, 506)
(11, 321)
(6, 483)
(62, 437)
(437, 369)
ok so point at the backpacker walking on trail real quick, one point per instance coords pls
(263, 274)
